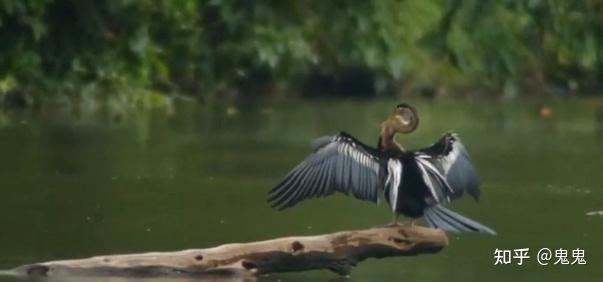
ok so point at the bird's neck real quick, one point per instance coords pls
(387, 141)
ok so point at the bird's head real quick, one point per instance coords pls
(404, 119)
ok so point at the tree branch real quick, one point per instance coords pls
(338, 252)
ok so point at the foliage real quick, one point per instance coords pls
(193, 47)
(545, 44)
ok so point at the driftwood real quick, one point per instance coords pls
(338, 252)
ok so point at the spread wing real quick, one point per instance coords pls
(339, 163)
(447, 169)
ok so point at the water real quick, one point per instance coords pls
(77, 186)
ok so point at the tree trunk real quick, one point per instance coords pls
(338, 252)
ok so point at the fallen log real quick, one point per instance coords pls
(338, 252)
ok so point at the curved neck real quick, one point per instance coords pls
(387, 141)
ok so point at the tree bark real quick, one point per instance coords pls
(338, 252)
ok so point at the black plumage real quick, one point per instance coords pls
(415, 183)
(339, 163)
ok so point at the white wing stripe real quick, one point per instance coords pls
(451, 158)
(428, 182)
(338, 164)
(435, 171)
(394, 176)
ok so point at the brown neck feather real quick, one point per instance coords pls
(387, 141)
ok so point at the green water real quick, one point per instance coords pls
(76, 186)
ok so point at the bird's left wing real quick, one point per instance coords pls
(339, 163)
(447, 169)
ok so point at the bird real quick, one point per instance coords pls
(414, 183)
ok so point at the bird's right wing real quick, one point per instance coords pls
(339, 163)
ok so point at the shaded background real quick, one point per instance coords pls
(133, 126)
(202, 49)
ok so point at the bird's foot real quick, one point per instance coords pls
(394, 224)
(410, 223)
(391, 224)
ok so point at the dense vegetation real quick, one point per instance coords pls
(70, 47)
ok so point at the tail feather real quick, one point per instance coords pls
(443, 218)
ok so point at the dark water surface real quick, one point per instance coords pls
(153, 181)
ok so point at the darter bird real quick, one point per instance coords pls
(415, 183)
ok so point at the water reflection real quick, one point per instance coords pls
(198, 178)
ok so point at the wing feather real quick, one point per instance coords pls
(316, 184)
(339, 163)
(285, 195)
(296, 194)
(447, 169)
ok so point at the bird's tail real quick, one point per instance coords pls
(445, 219)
